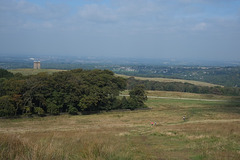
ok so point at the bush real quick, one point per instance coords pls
(72, 110)
(53, 109)
(137, 97)
(6, 107)
(39, 111)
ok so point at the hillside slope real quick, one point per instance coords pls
(198, 83)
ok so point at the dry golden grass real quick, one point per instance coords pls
(189, 95)
(211, 131)
(198, 83)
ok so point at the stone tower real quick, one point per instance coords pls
(36, 65)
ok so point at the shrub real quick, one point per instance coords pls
(72, 110)
(6, 107)
(53, 109)
(39, 111)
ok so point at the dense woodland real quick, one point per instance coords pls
(182, 87)
(71, 91)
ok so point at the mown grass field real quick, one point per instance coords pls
(198, 83)
(211, 131)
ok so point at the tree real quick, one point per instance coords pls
(53, 108)
(124, 103)
(68, 91)
(5, 74)
(137, 97)
(89, 103)
(72, 110)
(6, 106)
(39, 111)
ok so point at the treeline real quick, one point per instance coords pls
(182, 87)
(69, 91)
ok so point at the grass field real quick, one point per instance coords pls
(198, 83)
(211, 131)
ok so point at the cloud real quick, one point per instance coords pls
(26, 15)
(134, 16)
(200, 27)
(97, 13)
(135, 26)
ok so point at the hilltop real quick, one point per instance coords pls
(27, 71)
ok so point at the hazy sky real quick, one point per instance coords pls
(195, 29)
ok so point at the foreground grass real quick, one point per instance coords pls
(211, 131)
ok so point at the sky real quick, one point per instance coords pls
(175, 29)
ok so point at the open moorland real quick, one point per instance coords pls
(211, 131)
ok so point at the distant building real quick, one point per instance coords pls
(36, 65)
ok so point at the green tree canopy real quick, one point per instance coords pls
(68, 91)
